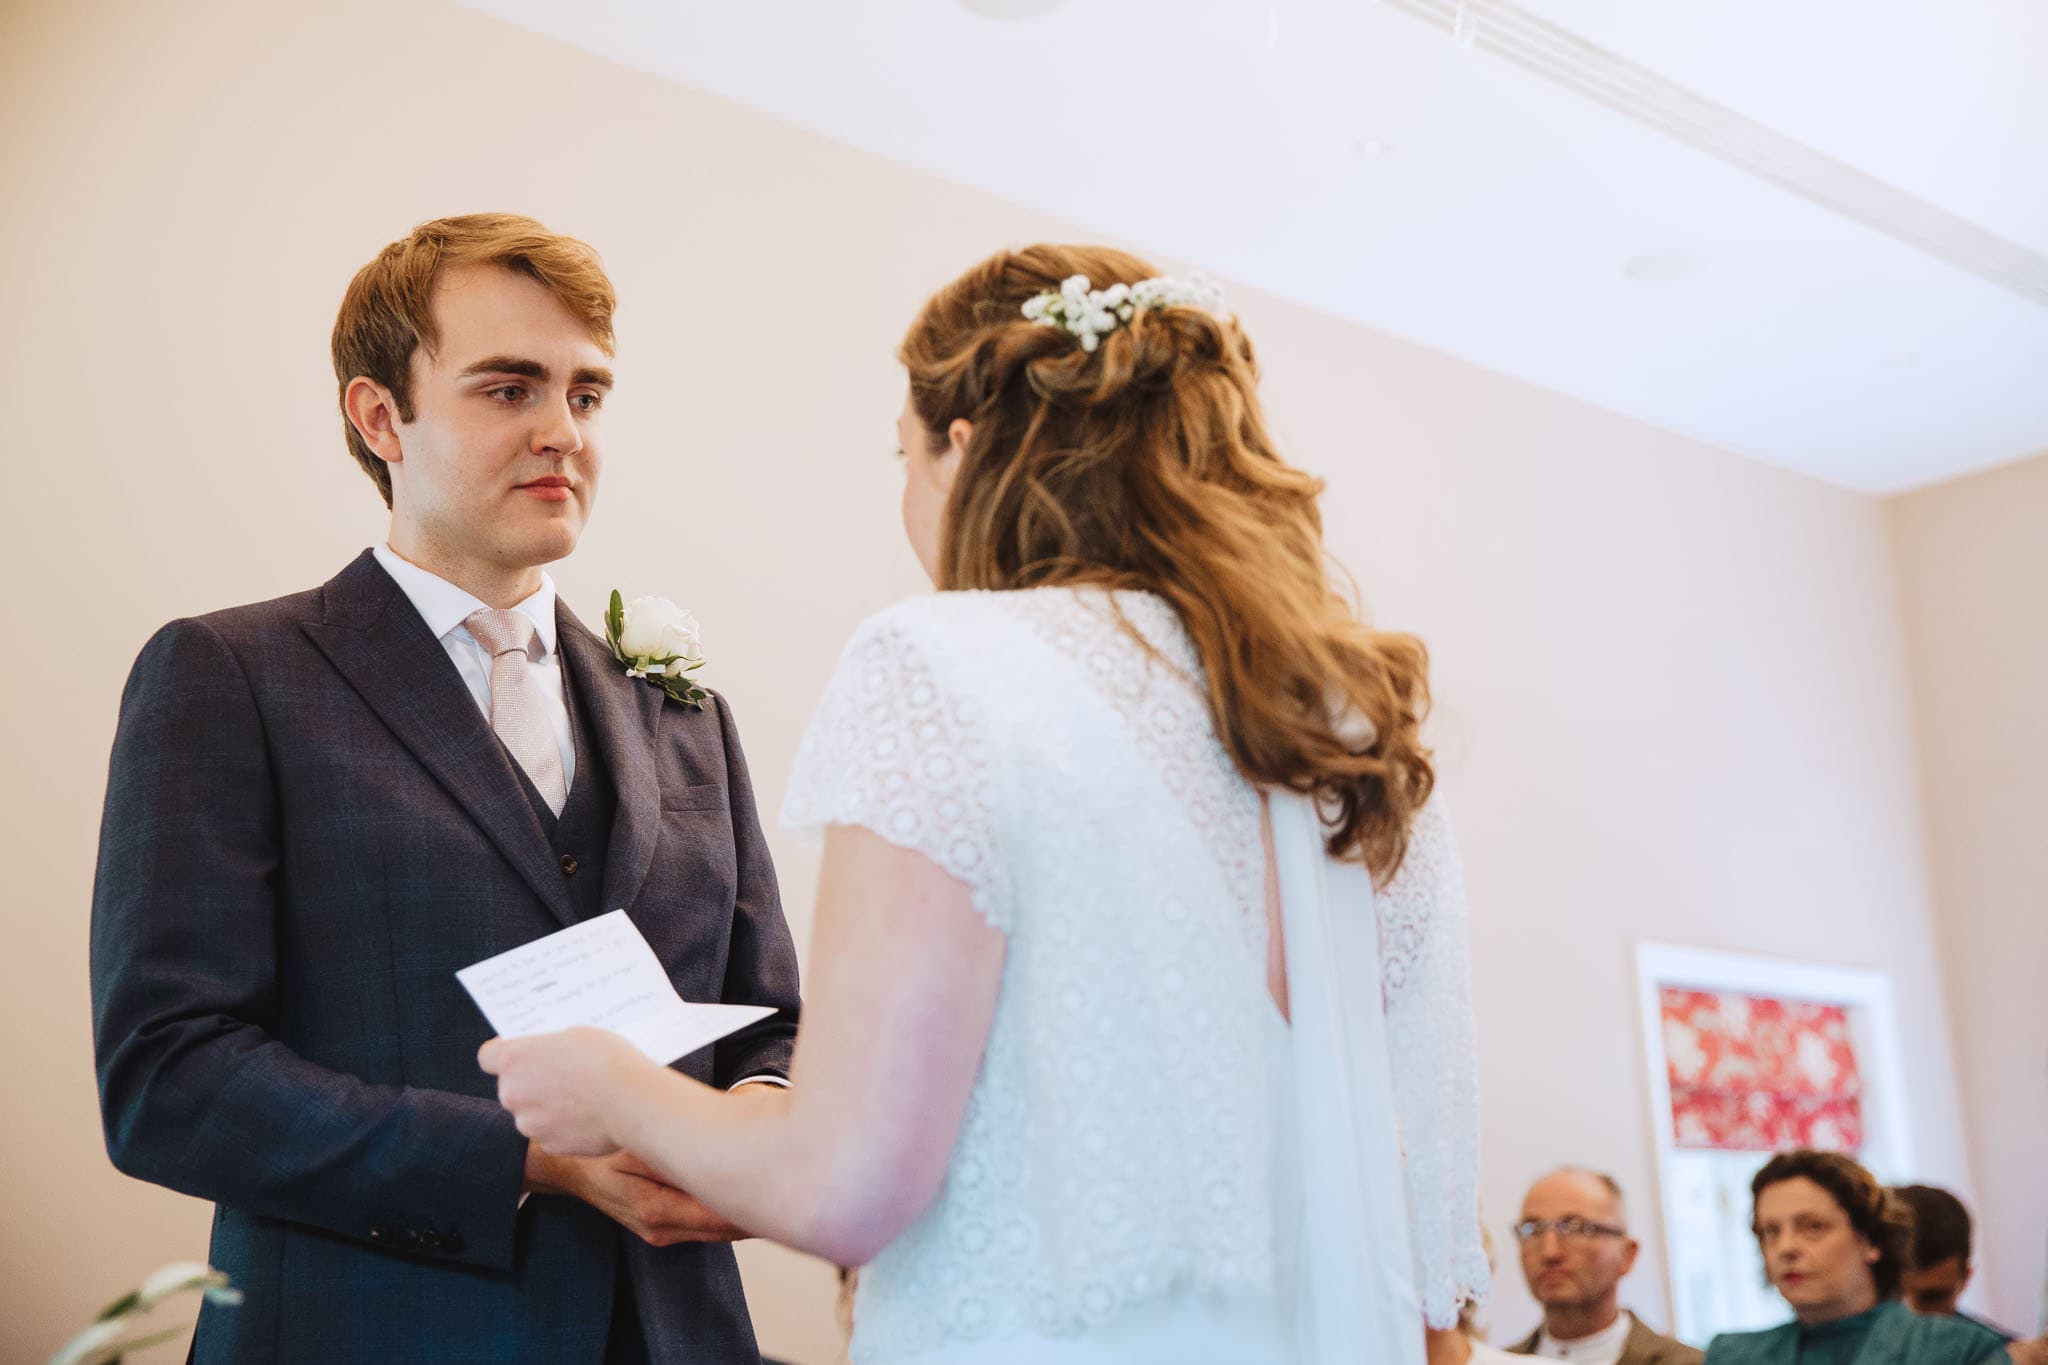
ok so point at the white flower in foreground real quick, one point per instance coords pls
(90, 1345)
(174, 1278)
(118, 1332)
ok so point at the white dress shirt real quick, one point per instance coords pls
(1604, 1347)
(444, 607)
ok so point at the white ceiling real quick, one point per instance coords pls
(1350, 155)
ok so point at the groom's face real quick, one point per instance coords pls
(500, 463)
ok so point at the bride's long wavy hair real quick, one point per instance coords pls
(1145, 463)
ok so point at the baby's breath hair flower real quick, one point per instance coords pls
(1088, 314)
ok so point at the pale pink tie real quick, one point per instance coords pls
(518, 711)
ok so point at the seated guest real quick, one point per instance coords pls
(1835, 1244)
(1575, 1250)
(1941, 1253)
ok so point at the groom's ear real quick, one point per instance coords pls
(373, 412)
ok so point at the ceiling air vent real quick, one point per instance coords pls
(1563, 58)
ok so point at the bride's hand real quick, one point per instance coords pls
(1447, 1348)
(563, 1089)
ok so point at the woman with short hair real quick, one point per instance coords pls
(1835, 1243)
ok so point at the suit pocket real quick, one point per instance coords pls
(708, 796)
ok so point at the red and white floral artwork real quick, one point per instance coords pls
(1752, 1074)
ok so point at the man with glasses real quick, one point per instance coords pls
(1575, 1251)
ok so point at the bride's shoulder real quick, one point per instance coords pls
(954, 639)
(929, 609)
(954, 621)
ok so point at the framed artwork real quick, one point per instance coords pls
(1746, 1056)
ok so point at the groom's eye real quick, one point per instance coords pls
(510, 393)
(587, 402)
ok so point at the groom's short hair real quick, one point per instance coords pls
(388, 312)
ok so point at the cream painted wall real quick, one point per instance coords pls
(1673, 696)
(1973, 557)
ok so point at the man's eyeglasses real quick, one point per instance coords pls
(1571, 1229)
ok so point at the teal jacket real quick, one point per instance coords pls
(1899, 1336)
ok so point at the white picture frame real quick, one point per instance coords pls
(1713, 1281)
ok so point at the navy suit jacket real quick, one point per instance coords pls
(309, 828)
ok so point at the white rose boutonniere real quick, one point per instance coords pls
(657, 640)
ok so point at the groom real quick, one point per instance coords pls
(322, 806)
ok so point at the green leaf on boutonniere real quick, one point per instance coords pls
(615, 623)
(674, 680)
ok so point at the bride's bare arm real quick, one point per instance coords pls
(902, 986)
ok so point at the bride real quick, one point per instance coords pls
(1138, 1025)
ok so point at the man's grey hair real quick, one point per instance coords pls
(1601, 1178)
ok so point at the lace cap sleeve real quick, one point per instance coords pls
(1427, 981)
(900, 747)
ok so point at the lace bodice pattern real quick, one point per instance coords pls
(1117, 1142)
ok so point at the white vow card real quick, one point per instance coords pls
(601, 973)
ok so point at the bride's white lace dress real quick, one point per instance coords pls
(1130, 1176)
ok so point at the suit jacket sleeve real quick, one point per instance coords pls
(761, 967)
(196, 1091)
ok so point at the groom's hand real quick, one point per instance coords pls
(627, 1191)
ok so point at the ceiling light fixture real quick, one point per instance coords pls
(1662, 267)
(1011, 9)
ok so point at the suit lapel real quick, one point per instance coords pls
(625, 720)
(378, 642)
(1641, 1348)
